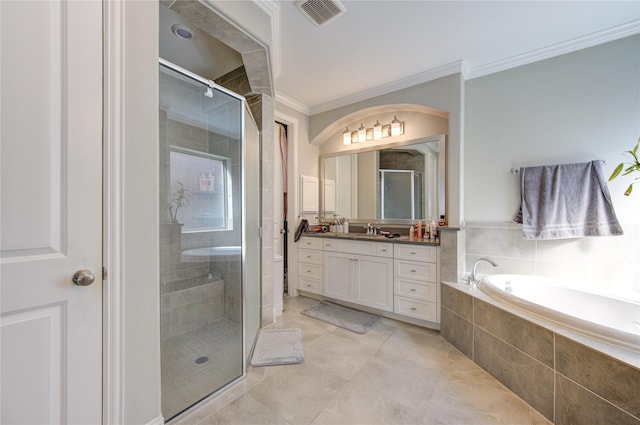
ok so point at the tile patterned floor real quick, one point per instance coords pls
(185, 381)
(395, 374)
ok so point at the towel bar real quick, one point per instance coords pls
(517, 170)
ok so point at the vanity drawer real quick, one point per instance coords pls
(310, 256)
(412, 289)
(351, 247)
(415, 270)
(310, 243)
(415, 252)
(310, 285)
(418, 309)
(309, 271)
(384, 249)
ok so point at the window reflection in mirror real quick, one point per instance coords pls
(394, 183)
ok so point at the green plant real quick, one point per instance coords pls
(632, 166)
(178, 199)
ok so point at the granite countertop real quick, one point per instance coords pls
(378, 238)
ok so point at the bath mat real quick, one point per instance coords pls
(278, 347)
(349, 319)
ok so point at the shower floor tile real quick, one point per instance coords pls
(198, 363)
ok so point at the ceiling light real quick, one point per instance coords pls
(183, 32)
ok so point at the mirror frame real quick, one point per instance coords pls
(443, 189)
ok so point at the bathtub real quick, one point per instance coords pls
(606, 318)
(205, 254)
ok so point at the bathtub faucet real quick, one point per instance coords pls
(473, 279)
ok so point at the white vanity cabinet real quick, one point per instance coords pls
(310, 265)
(416, 281)
(394, 277)
(359, 272)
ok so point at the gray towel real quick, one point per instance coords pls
(566, 201)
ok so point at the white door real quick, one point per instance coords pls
(51, 212)
(279, 237)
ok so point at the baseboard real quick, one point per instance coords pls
(157, 421)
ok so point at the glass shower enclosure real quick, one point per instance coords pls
(207, 182)
(401, 194)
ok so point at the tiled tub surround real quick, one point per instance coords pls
(607, 264)
(613, 320)
(566, 377)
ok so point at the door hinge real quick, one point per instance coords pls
(104, 273)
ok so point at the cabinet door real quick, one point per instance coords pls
(374, 282)
(338, 276)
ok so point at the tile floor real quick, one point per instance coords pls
(395, 374)
(185, 380)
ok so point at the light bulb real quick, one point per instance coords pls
(346, 136)
(377, 130)
(362, 134)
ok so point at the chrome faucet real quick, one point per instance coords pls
(473, 279)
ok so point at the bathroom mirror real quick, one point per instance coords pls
(390, 184)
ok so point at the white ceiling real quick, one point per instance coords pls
(380, 46)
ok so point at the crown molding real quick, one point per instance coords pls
(267, 6)
(403, 83)
(292, 103)
(570, 46)
(470, 72)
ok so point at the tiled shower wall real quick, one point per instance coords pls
(600, 262)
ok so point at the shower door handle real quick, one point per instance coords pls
(84, 277)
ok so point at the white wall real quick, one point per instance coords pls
(572, 108)
(140, 279)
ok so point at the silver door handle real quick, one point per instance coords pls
(84, 277)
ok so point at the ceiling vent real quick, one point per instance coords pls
(320, 11)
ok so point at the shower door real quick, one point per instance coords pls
(401, 194)
(202, 239)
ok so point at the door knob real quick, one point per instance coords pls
(84, 277)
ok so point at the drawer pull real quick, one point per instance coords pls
(383, 250)
(413, 271)
(412, 253)
(412, 290)
(413, 308)
(308, 271)
(308, 256)
(308, 285)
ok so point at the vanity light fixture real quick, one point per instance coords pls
(377, 132)
(346, 136)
